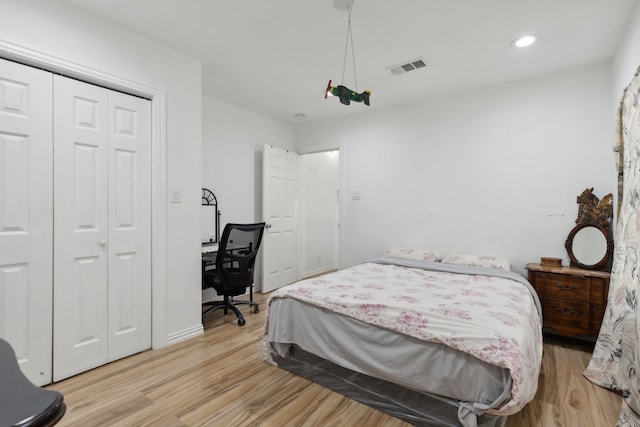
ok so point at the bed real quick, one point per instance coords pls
(431, 343)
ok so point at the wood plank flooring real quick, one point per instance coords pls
(220, 379)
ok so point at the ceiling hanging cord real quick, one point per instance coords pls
(345, 94)
(346, 48)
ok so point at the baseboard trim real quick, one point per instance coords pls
(193, 332)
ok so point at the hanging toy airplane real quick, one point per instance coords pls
(346, 95)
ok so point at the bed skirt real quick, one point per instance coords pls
(414, 407)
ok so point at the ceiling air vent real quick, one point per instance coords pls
(405, 68)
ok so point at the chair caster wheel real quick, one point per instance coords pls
(241, 321)
(256, 310)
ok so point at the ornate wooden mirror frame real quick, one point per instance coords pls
(596, 213)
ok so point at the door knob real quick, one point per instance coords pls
(102, 243)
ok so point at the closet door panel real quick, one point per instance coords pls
(129, 224)
(26, 224)
(80, 227)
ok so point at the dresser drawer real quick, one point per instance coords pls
(573, 300)
(566, 314)
(574, 288)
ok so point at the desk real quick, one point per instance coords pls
(208, 248)
(208, 262)
(209, 253)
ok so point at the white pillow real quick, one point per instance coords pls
(478, 261)
(412, 253)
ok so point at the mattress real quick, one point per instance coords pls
(315, 320)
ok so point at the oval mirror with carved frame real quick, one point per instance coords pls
(590, 243)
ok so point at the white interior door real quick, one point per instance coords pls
(80, 227)
(102, 246)
(279, 211)
(129, 240)
(26, 222)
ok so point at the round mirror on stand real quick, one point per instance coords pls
(590, 243)
(590, 246)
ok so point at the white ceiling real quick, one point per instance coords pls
(275, 57)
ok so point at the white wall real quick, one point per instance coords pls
(494, 170)
(233, 141)
(318, 198)
(627, 58)
(57, 30)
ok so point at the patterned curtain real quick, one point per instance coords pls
(615, 362)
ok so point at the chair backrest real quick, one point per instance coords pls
(22, 403)
(237, 253)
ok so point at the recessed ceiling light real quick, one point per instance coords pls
(525, 41)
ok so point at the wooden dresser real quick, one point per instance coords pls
(573, 300)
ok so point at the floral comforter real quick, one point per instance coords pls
(495, 319)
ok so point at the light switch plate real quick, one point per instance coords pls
(176, 195)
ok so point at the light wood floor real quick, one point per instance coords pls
(220, 379)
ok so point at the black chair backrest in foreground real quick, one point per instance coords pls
(23, 404)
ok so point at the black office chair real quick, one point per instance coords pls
(22, 403)
(233, 274)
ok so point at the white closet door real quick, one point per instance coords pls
(129, 134)
(102, 225)
(26, 223)
(80, 227)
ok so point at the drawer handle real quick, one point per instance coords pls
(566, 311)
(567, 288)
